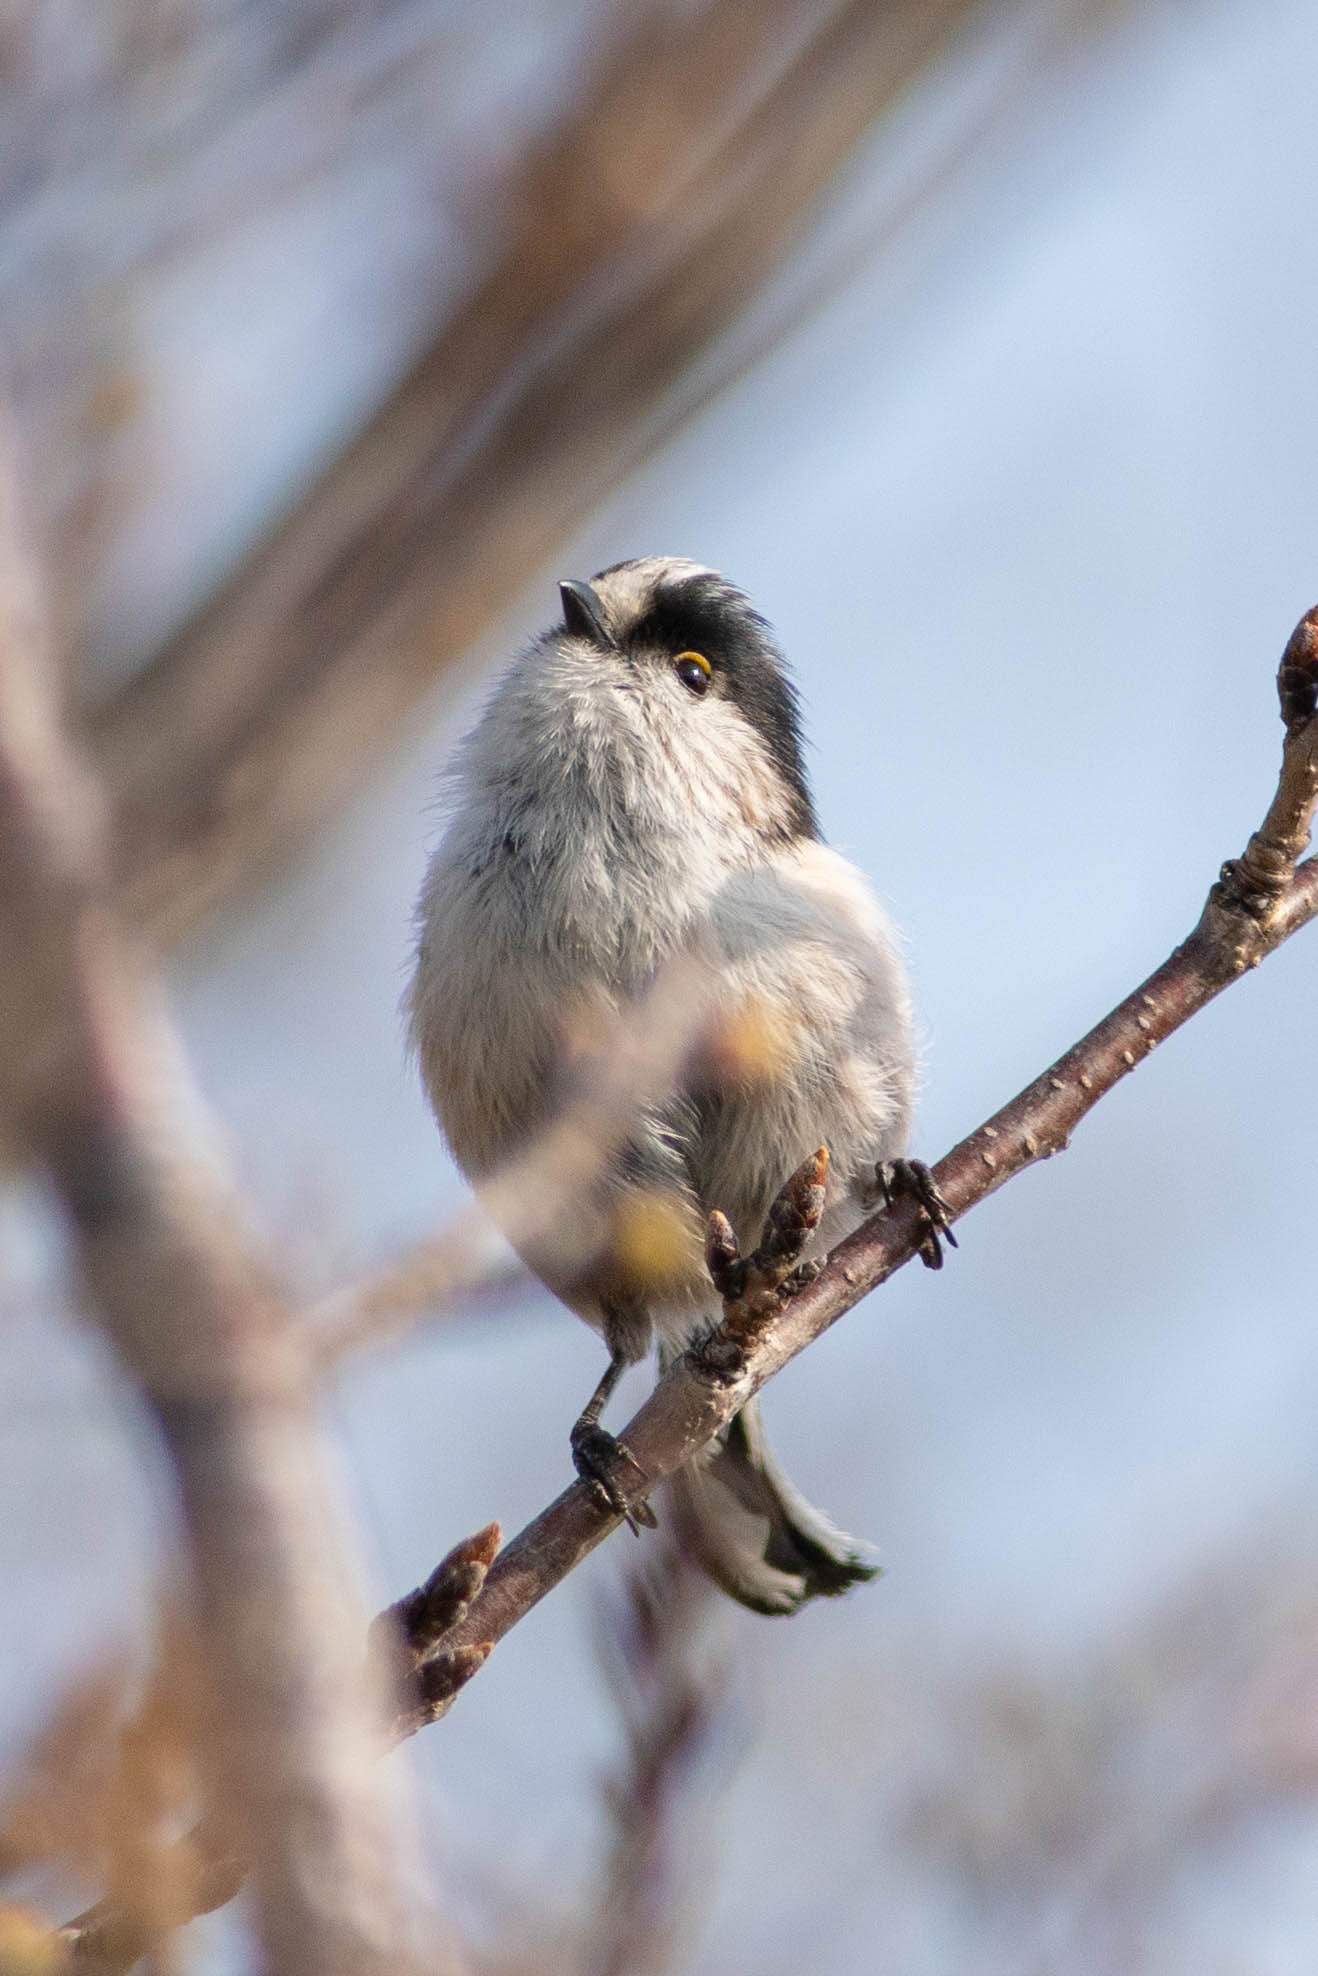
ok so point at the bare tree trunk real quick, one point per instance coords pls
(89, 1087)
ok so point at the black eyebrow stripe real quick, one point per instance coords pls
(694, 614)
(705, 614)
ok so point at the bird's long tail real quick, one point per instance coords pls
(755, 1535)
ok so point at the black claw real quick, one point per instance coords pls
(912, 1179)
(604, 1461)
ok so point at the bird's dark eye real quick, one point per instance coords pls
(694, 671)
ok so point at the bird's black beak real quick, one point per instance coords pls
(583, 614)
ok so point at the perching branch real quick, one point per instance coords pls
(440, 1635)
(1258, 902)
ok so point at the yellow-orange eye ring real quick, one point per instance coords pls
(694, 671)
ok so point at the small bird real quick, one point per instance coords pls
(632, 841)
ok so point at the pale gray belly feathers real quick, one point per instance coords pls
(805, 998)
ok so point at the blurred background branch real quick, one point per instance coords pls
(638, 216)
(667, 1658)
(685, 166)
(1071, 1801)
(89, 1087)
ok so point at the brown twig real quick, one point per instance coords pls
(756, 1287)
(475, 1596)
(404, 1640)
(1242, 922)
(109, 1939)
(425, 1672)
(89, 1082)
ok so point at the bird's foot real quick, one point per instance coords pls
(611, 1468)
(912, 1180)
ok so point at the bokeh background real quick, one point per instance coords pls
(1006, 417)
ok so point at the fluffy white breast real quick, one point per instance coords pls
(596, 811)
